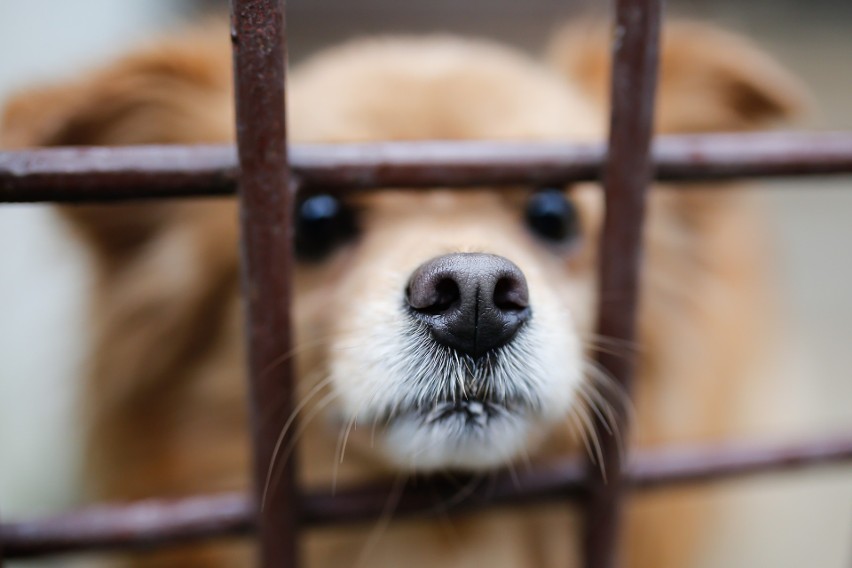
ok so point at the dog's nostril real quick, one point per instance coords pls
(447, 293)
(432, 296)
(471, 302)
(510, 294)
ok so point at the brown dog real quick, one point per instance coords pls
(435, 330)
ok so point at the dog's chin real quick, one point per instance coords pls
(464, 435)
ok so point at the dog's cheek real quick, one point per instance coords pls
(367, 329)
(316, 306)
(369, 326)
(554, 341)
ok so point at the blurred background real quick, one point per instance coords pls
(43, 275)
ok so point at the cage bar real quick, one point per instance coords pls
(154, 172)
(627, 175)
(266, 209)
(159, 523)
(259, 166)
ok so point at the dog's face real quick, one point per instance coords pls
(449, 318)
(450, 325)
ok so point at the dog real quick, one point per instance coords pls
(435, 330)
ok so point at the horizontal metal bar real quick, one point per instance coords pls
(158, 523)
(665, 467)
(139, 525)
(78, 174)
(149, 172)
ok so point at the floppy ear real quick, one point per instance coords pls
(174, 92)
(710, 79)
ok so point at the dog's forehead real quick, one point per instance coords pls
(434, 88)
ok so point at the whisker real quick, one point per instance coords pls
(604, 405)
(578, 429)
(286, 428)
(295, 350)
(302, 427)
(320, 342)
(593, 434)
(339, 451)
(588, 402)
(599, 339)
(601, 378)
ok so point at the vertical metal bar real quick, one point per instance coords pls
(627, 174)
(258, 37)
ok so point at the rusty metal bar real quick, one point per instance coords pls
(260, 60)
(667, 467)
(136, 526)
(100, 173)
(465, 163)
(157, 523)
(627, 175)
(150, 172)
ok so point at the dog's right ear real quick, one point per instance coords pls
(710, 79)
(174, 92)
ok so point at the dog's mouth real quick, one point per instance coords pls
(472, 413)
(479, 419)
(469, 393)
(466, 433)
(467, 412)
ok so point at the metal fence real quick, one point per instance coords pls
(266, 172)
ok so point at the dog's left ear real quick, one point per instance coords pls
(710, 79)
(173, 91)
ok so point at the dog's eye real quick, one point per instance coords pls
(323, 223)
(552, 216)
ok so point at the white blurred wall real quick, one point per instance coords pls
(43, 274)
(49, 38)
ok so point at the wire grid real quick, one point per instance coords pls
(266, 179)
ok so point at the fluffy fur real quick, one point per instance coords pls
(166, 387)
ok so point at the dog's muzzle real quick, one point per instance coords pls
(471, 302)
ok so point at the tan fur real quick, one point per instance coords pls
(710, 79)
(166, 389)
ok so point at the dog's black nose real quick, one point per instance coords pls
(472, 302)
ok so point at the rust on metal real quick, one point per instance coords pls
(259, 166)
(266, 250)
(136, 526)
(157, 523)
(627, 175)
(667, 467)
(102, 173)
(153, 172)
